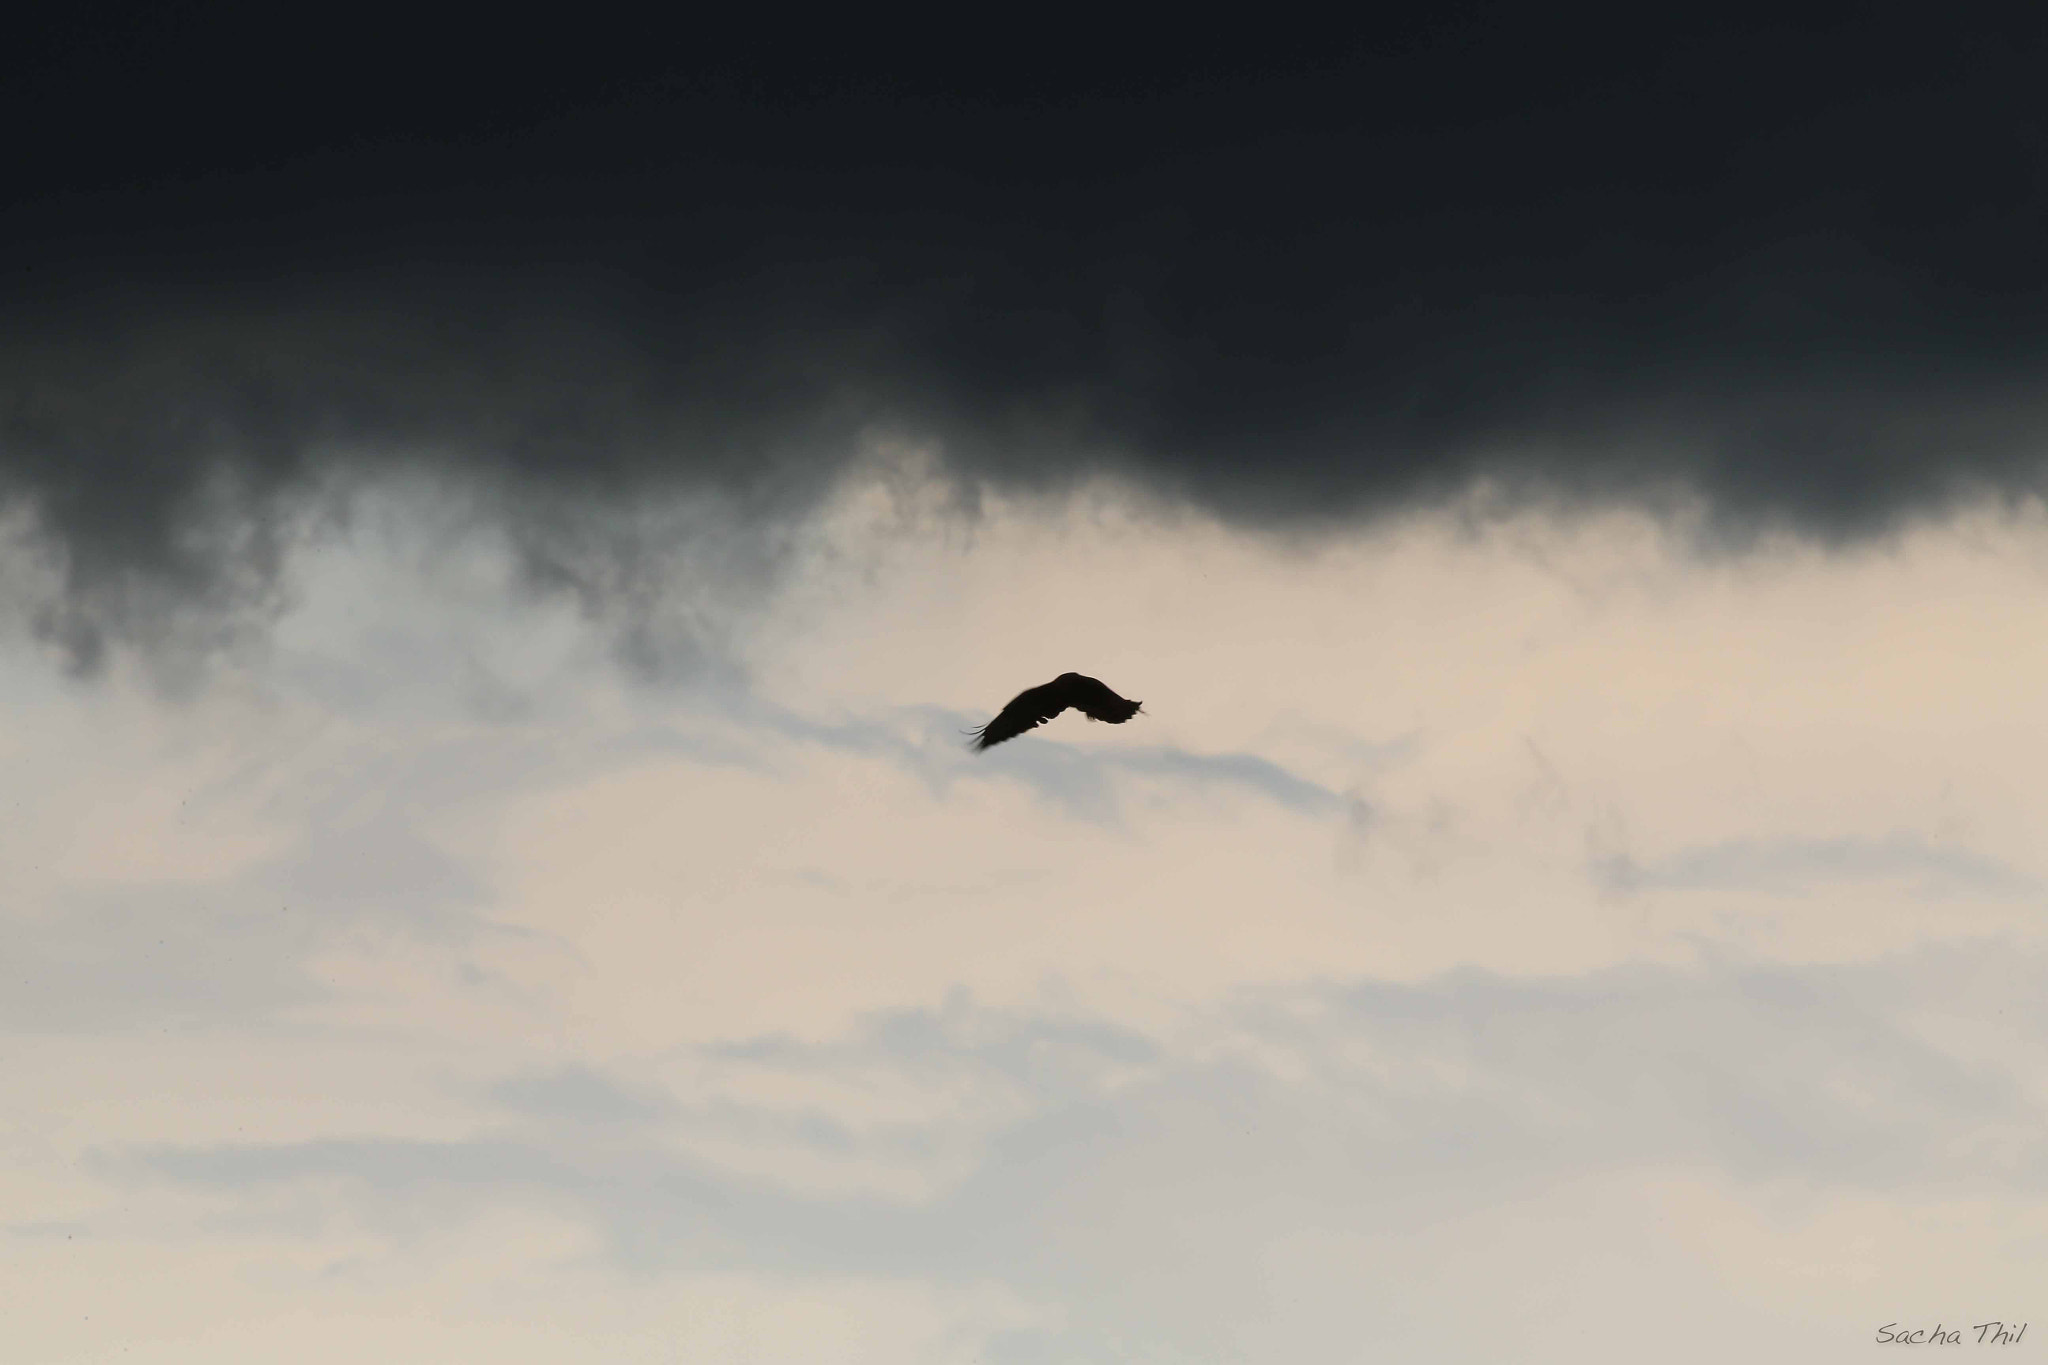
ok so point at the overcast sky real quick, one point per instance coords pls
(502, 532)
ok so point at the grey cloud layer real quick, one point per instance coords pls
(1358, 1109)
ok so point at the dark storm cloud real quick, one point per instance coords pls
(1791, 267)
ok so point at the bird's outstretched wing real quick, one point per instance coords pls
(1031, 707)
(1094, 700)
(1038, 705)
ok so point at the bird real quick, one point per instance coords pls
(1037, 705)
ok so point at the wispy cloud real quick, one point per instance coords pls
(1792, 865)
(1348, 1107)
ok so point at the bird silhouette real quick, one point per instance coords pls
(1035, 706)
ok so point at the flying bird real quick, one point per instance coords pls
(1037, 705)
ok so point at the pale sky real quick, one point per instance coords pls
(1527, 937)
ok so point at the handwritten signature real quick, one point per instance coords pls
(1988, 1334)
